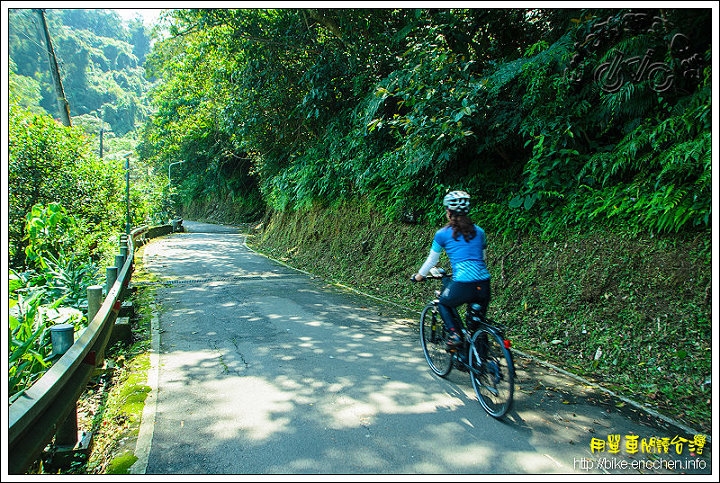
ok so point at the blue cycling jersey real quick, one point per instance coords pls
(466, 257)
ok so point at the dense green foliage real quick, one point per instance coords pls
(395, 106)
(51, 163)
(53, 291)
(100, 61)
(83, 168)
(29, 343)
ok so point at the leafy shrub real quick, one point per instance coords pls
(51, 165)
(31, 314)
(53, 292)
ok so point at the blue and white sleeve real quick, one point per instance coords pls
(431, 260)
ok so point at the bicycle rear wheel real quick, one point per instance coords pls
(432, 339)
(492, 372)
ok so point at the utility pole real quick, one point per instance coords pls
(101, 146)
(100, 134)
(63, 104)
(127, 194)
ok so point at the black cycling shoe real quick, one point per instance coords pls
(454, 342)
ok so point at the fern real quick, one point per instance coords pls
(504, 75)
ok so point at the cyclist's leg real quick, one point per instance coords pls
(482, 296)
(447, 310)
(478, 305)
(457, 293)
(454, 295)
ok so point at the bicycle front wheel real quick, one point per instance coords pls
(492, 372)
(432, 338)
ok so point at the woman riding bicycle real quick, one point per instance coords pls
(465, 245)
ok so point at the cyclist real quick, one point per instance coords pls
(465, 245)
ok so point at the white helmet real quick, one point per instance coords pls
(458, 202)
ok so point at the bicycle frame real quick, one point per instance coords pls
(486, 351)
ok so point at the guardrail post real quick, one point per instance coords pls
(123, 247)
(119, 262)
(67, 438)
(111, 274)
(94, 296)
(62, 337)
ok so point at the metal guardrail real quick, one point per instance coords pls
(36, 416)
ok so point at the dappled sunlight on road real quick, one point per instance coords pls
(260, 412)
(266, 370)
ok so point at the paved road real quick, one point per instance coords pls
(262, 369)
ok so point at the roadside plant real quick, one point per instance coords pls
(29, 320)
(48, 230)
(52, 292)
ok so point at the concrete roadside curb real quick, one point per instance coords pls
(147, 423)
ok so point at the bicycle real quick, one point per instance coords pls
(486, 354)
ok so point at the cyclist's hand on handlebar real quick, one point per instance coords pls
(436, 272)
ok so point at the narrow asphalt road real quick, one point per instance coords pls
(260, 369)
